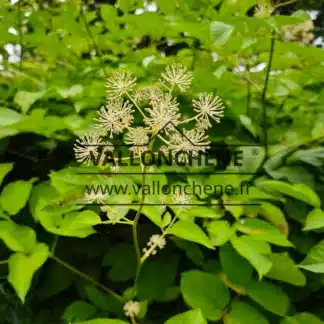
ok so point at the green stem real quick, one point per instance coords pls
(20, 35)
(87, 278)
(264, 95)
(153, 247)
(135, 104)
(248, 95)
(4, 262)
(137, 216)
(94, 44)
(54, 244)
(135, 231)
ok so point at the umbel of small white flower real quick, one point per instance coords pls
(158, 106)
(132, 308)
(156, 241)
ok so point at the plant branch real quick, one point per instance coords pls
(248, 95)
(4, 262)
(135, 104)
(135, 230)
(264, 94)
(21, 38)
(89, 32)
(87, 278)
(154, 246)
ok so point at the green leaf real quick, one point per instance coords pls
(74, 91)
(78, 310)
(243, 313)
(261, 230)
(219, 232)
(77, 224)
(122, 269)
(103, 301)
(284, 269)
(18, 238)
(274, 215)
(156, 277)
(302, 318)
(15, 196)
(25, 99)
(220, 32)
(190, 231)
(192, 250)
(193, 316)
(205, 291)
(314, 260)
(298, 191)
(231, 261)
(257, 252)
(9, 117)
(22, 268)
(4, 169)
(314, 220)
(269, 296)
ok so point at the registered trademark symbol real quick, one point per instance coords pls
(254, 151)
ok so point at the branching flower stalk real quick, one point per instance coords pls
(161, 116)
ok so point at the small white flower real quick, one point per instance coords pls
(177, 75)
(95, 197)
(180, 198)
(86, 148)
(163, 110)
(147, 93)
(190, 143)
(208, 106)
(163, 199)
(139, 138)
(263, 11)
(132, 308)
(157, 240)
(119, 83)
(114, 118)
(115, 168)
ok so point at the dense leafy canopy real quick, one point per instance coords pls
(256, 258)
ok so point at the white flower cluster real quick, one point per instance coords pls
(156, 241)
(132, 308)
(263, 11)
(303, 33)
(159, 109)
